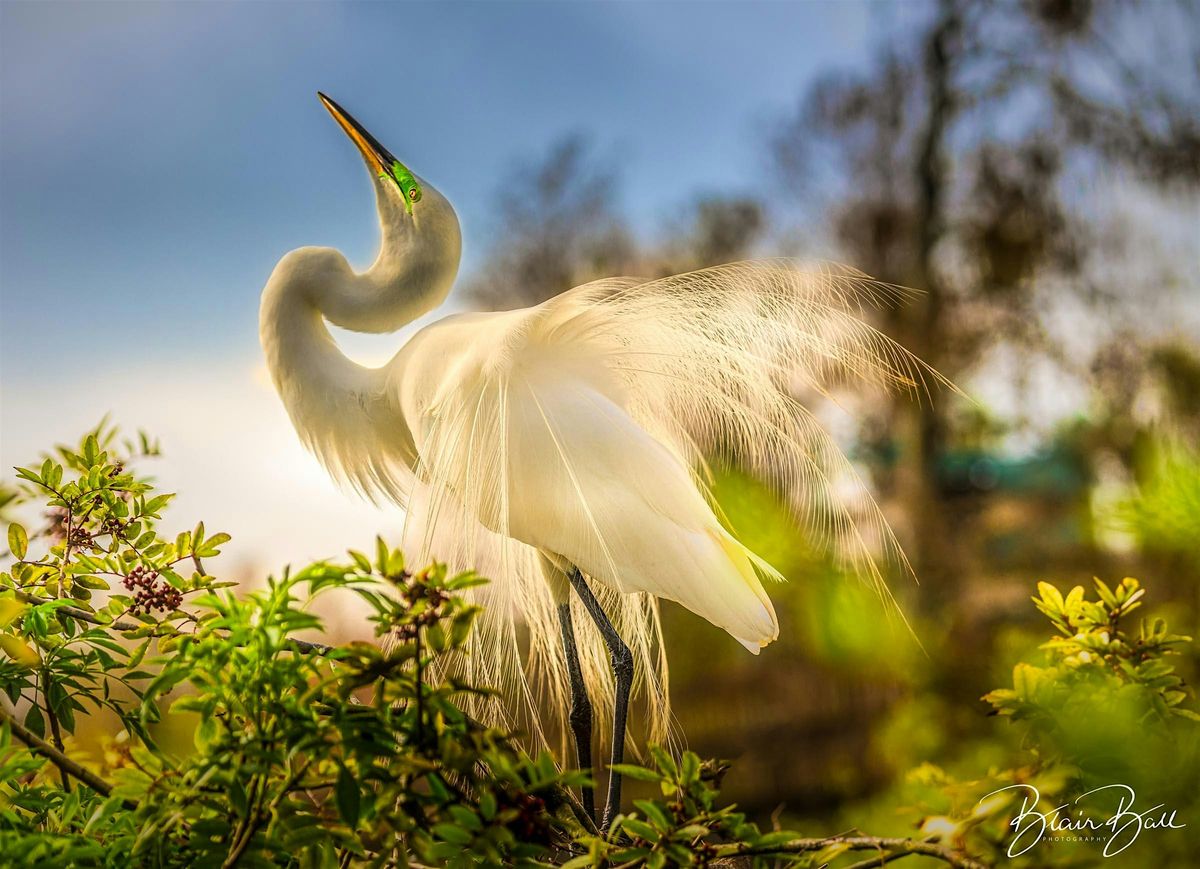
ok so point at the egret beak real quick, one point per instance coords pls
(379, 158)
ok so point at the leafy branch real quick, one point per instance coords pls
(55, 756)
(362, 754)
(687, 828)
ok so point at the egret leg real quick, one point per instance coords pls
(622, 664)
(581, 705)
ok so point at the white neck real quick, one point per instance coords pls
(334, 403)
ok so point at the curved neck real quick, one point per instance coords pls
(334, 403)
(412, 274)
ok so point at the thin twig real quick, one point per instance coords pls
(39, 746)
(904, 847)
(249, 825)
(120, 625)
(55, 730)
(880, 860)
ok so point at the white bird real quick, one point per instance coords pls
(563, 446)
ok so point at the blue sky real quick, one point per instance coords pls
(157, 159)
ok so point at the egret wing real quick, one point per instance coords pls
(582, 427)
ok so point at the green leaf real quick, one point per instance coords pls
(436, 636)
(360, 561)
(452, 833)
(381, 555)
(582, 862)
(690, 768)
(348, 797)
(640, 773)
(487, 805)
(460, 627)
(210, 547)
(155, 505)
(466, 818)
(35, 721)
(776, 838)
(18, 540)
(663, 760)
(1050, 596)
(654, 813)
(91, 449)
(624, 856)
(640, 829)
(395, 563)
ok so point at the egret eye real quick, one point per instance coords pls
(407, 183)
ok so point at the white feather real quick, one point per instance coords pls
(576, 434)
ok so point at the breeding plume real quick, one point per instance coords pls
(561, 449)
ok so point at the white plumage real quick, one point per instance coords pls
(575, 434)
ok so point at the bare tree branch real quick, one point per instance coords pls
(69, 767)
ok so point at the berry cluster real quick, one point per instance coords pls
(113, 526)
(412, 591)
(151, 592)
(79, 537)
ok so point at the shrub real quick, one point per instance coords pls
(304, 754)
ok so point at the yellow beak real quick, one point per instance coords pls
(377, 156)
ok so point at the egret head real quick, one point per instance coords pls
(379, 159)
(420, 244)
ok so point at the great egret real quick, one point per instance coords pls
(563, 446)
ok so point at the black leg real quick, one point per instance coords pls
(622, 664)
(581, 706)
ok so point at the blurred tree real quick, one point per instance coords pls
(957, 163)
(558, 227)
(968, 161)
(714, 229)
(565, 229)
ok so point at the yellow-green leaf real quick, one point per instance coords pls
(18, 540)
(19, 651)
(10, 608)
